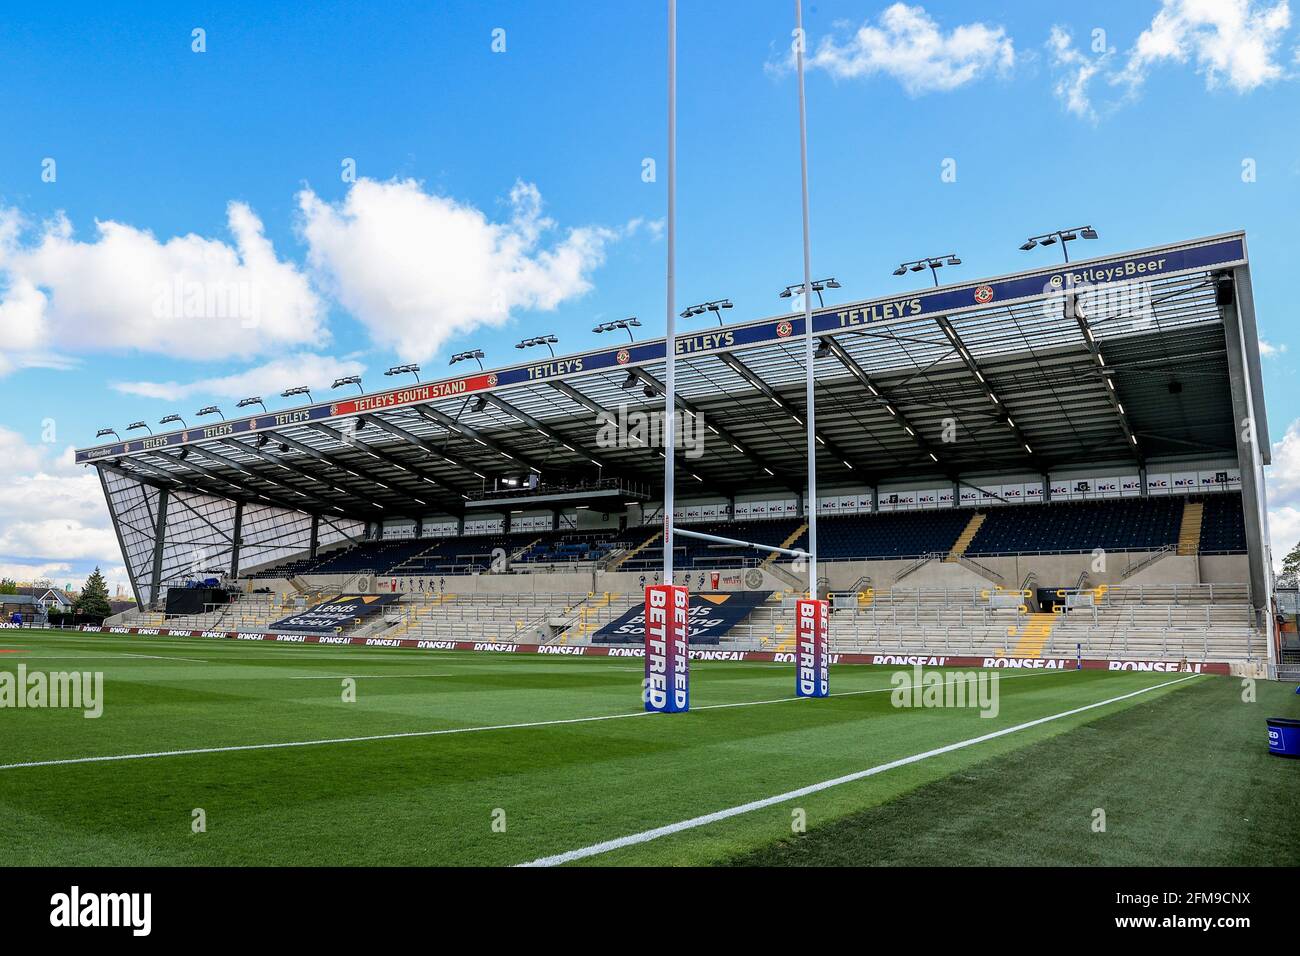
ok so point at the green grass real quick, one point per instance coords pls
(425, 800)
(1174, 790)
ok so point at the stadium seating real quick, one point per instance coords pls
(1127, 524)
(1168, 622)
(1147, 622)
(408, 556)
(530, 618)
(904, 534)
(692, 553)
(1223, 526)
(572, 548)
(366, 556)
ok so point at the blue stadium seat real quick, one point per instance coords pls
(1223, 525)
(1127, 524)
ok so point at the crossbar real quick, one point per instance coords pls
(736, 541)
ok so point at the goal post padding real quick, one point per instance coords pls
(667, 687)
(812, 654)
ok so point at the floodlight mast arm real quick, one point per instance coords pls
(811, 417)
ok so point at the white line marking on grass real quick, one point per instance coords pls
(646, 836)
(100, 657)
(316, 743)
(364, 676)
(436, 733)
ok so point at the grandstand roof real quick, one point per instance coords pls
(1121, 358)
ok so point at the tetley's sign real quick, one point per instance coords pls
(1134, 267)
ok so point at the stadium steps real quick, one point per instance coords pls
(626, 556)
(583, 619)
(966, 537)
(765, 625)
(588, 618)
(787, 543)
(417, 612)
(1034, 634)
(1189, 533)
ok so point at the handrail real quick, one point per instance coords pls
(919, 563)
(1151, 559)
(983, 569)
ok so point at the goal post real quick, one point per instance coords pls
(738, 542)
(666, 687)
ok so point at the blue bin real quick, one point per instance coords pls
(1284, 736)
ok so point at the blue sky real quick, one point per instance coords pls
(1142, 132)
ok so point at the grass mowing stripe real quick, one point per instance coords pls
(236, 748)
(646, 836)
(1184, 779)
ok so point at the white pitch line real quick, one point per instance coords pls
(317, 743)
(97, 657)
(362, 676)
(438, 733)
(646, 836)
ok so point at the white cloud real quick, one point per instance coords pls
(317, 372)
(1269, 350)
(417, 269)
(52, 512)
(65, 537)
(1076, 71)
(1283, 482)
(57, 573)
(909, 45)
(1232, 41)
(188, 297)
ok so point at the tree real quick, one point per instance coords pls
(8, 586)
(93, 600)
(1290, 576)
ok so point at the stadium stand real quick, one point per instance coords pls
(902, 535)
(1137, 524)
(1197, 623)
(575, 548)
(1123, 525)
(1093, 446)
(706, 555)
(1223, 526)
